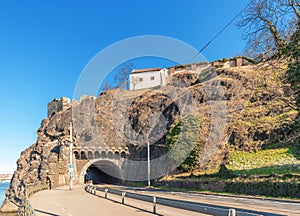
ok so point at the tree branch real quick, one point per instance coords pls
(279, 42)
(294, 5)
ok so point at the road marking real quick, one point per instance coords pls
(57, 204)
(284, 203)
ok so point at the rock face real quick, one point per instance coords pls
(247, 107)
(44, 158)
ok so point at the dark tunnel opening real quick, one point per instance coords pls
(103, 172)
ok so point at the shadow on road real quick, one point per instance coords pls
(131, 206)
(46, 213)
(61, 189)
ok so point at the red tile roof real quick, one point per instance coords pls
(5, 176)
(145, 70)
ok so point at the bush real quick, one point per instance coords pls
(183, 141)
(273, 188)
(225, 173)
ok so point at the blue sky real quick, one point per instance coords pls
(44, 46)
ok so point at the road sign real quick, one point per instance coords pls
(71, 169)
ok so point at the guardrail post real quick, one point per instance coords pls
(95, 190)
(123, 197)
(231, 212)
(105, 193)
(154, 205)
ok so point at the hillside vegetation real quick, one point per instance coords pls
(261, 134)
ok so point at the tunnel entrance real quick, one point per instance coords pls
(103, 172)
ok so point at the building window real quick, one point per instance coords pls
(152, 78)
(140, 79)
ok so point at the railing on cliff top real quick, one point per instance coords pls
(26, 208)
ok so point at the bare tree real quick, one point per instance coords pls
(269, 25)
(121, 77)
(107, 86)
(294, 4)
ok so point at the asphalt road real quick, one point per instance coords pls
(264, 205)
(62, 201)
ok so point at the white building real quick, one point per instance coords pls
(148, 78)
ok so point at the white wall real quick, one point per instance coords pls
(158, 79)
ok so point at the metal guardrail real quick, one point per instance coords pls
(186, 205)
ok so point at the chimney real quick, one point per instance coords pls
(172, 71)
(239, 62)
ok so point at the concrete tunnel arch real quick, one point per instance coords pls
(102, 171)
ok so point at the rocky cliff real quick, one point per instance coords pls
(249, 108)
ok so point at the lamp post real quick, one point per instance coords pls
(149, 171)
(71, 157)
(147, 135)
